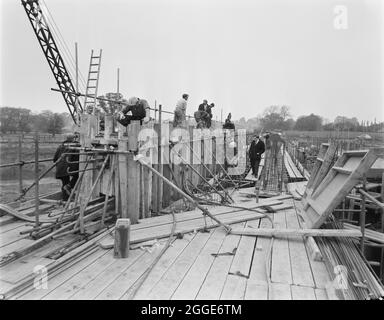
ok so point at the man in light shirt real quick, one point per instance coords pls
(180, 111)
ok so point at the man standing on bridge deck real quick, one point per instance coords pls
(180, 111)
(256, 149)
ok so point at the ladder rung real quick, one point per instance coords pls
(93, 71)
(91, 87)
(96, 57)
(95, 64)
(92, 79)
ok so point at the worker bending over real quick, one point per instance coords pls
(136, 109)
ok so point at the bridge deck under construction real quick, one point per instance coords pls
(197, 265)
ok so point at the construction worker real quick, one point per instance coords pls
(208, 110)
(228, 123)
(136, 109)
(180, 111)
(201, 117)
(256, 149)
(65, 166)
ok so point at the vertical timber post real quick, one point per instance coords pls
(160, 163)
(133, 194)
(362, 216)
(36, 179)
(19, 156)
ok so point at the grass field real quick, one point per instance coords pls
(9, 186)
(9, 190)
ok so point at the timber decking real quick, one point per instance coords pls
(191, 268)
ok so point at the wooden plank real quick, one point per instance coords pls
(126, 279)
(301, 269)
(22, 268)
(175, 274)
(256, 290)
(62, 277)
(234, 288)
(321, 294)
(303, 293)
(241, 263)
(123, 178)
(280, 291)
(297, 232)
(161, 267)
(334, 188)
(11, 237)
(15, 246)
(79, 281)
(281, 263)
(189, 287)
(214, 282)
(12, 226)
(324, 169)
(103, 279)
(133, 189)
(258, 271)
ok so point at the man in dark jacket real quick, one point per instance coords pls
(228, 124)
(256, 149)
(136, 109)
(208, 110)
(200, 117)
(64, 167)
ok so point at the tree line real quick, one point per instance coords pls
(23, 120)
(279, 118)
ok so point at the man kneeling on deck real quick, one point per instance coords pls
(136, 109)
(256, 149)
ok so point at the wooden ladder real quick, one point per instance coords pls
(92, 83)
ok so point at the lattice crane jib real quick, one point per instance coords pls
(53, 56)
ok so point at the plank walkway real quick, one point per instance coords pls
(202, 265)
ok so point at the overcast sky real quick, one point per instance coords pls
(243, 55)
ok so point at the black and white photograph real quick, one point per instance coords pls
(192, 156)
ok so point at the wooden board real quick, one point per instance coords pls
(241, 263)
(100, 281)
(62, 277)
(301, 269)
(161, 267)
(190, 286)
(168, 284)
(280, 291)
(303, 293)
(281, 263)
(214, 282)
(119, 288)
(256, 290)
(337, 185)
(234, 288)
